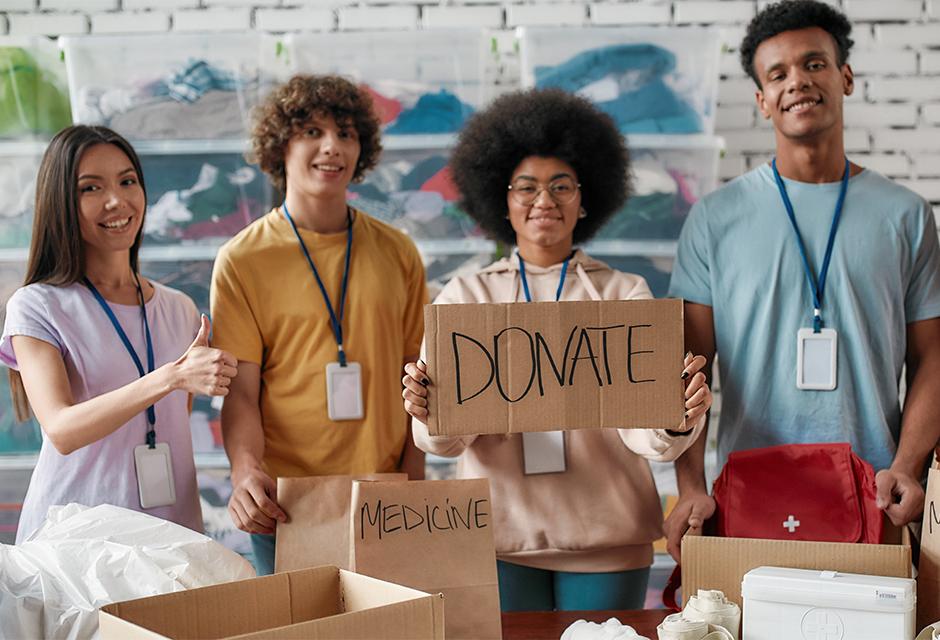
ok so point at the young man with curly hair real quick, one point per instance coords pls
(544, 170)
(752, 267)
(321, 305)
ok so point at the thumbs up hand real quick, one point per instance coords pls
(202, 369)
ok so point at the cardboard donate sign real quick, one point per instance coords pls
(505, 368)
(435, 536)
(928, 577)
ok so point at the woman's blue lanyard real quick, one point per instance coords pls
(525, 282)
(817, 290)
(336, 323)
(151, 412)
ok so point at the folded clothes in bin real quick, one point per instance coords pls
(52, 585)
(30, 101)
(626, 82)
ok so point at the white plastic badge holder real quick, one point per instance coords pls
(155, 475)
(543, 452)
(816, 359)
(344, 391)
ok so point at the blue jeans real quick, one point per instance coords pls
(262, 550)
(527, 589)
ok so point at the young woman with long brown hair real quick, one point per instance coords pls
(107, 360)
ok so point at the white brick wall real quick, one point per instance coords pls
(358, 18)
(130, 22)
(713, 11)
(437, 17)
(546, 14)
(71, 5)
(294, 19)
(47, 24)
(624, 13)
(212, 19)
(892, 119)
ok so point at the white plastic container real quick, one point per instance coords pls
(825, 605)
(660, 80)
(166, 86)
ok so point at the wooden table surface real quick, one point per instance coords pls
(549, 625)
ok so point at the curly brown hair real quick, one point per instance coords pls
(289, 108)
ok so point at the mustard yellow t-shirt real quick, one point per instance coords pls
(267, 309)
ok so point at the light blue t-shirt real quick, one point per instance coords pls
(738, 254)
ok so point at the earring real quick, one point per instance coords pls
(582, 213)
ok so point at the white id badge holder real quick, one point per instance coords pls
(154, 475)
(344, 391)
(816, 363)
(543, 452)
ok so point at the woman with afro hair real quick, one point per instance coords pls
(543, 170)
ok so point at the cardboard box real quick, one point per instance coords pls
(928, 579)
(322, 602)
(433, 535)
(506, 368)
(720, 563)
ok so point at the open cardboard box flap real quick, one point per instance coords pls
(322, 602)
(710, 562)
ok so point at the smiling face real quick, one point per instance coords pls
(802, 83)
(320, 160)
(544, 223)
(111, 201)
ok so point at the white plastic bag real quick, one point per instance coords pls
(81, 558)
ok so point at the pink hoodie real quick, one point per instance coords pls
(603, 512)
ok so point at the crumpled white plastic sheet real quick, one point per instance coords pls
(613, 629)
(82, 558)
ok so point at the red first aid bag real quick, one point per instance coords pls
(816, 492)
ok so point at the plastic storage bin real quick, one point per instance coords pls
(200, 198)
(422, 82)
(412, 189)
(669, 174)
(166, 86)
(826, 605)
(662, 80)
(19, 163)
(34, 99)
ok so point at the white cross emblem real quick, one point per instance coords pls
(821, 624)
(790, 524)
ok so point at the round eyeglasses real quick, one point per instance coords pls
(561, 190)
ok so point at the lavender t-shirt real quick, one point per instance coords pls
(70, 319)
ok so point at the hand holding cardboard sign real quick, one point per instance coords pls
(415, 392)
(698, 396)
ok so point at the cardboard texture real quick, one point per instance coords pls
(434, 535)
(710, 562)
(928, 578)
(506, 368)
(317, 530)
(317, 603)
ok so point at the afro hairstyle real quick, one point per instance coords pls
(290, 107)
(790, 15)
(545, 123)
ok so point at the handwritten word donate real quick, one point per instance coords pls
(499, 368)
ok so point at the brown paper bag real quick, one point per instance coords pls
(928, 577)
(435, 536)
(317, 529)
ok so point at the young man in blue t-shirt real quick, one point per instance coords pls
(857, 318)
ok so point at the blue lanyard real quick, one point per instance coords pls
(151, 412)
(817, 290)
(525, 282)
(336, 323)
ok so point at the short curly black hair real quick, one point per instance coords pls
(289, 108)
(790, 15)
(545, 123)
